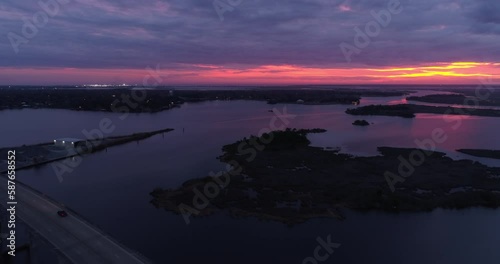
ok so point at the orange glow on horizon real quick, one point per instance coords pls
(436, 73)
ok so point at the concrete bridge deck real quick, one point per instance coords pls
(74, 237)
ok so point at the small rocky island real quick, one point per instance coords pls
(361, 123)
(287, 180)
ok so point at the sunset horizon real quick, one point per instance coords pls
(455, 73)
(75, 42)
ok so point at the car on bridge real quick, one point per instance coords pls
(62, 213)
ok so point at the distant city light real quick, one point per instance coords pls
(105, 85)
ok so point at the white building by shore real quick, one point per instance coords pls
(67, 142)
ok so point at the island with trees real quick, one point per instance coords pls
(288, 180)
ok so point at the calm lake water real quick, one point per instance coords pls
(112, 188)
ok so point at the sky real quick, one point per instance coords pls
(246, 42)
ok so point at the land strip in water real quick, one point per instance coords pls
(482, 153)
(155, 100)
(28, 156)
(410, 110)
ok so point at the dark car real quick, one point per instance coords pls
(62, 213)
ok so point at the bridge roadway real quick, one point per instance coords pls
(74, 237)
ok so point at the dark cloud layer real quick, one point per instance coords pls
(134, 34)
